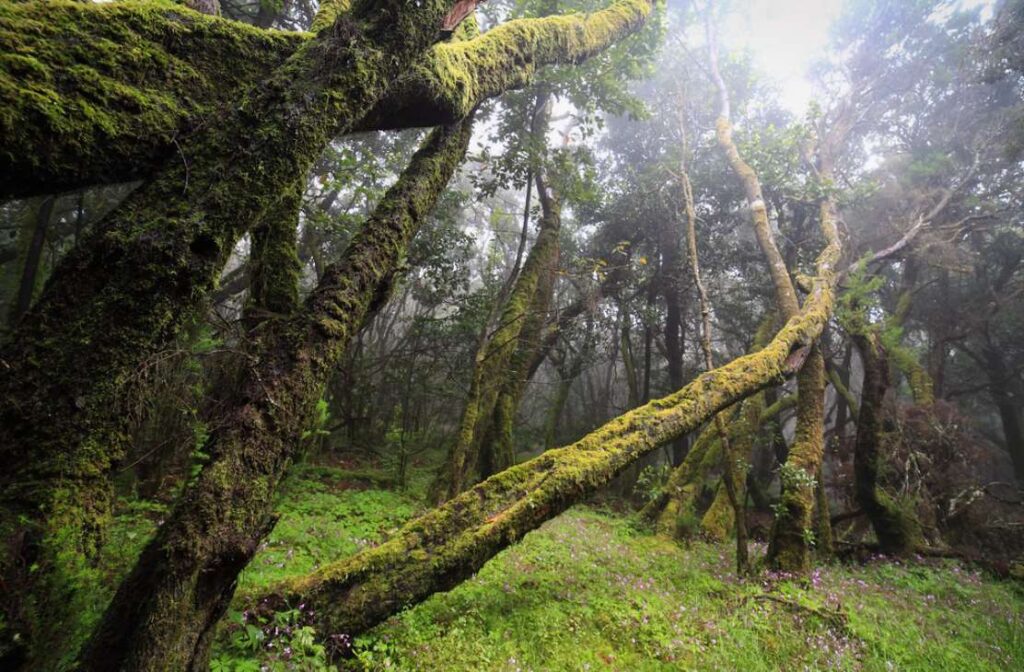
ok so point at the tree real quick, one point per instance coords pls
(97, 319)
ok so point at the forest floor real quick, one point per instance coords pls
(591, 590)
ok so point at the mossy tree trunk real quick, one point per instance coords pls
(897, 530)
(163, 614)
(274, 267)
(502, 363)
(126, 290)
(545, 266)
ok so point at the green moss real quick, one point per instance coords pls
(99, 92)
(456, 76)
(274, 268)
(718, 521)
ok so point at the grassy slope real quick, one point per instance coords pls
(590, 592)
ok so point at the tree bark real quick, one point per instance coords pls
(163, 613)
(274, 267)
(897, 530)
(518, 374)
(1009, 407)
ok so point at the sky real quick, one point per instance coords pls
(785, 36)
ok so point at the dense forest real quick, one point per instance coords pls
(510, 335)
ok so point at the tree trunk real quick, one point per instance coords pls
(126, 290)
(163, 614)
(1009, 406)
(791, 534)
(502, 363)
(897, 530)
(529, 345)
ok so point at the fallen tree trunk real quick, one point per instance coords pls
(446, 546)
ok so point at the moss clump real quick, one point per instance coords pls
(98, 92)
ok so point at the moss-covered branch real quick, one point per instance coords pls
(327, 13)
(99, 93)
(456, 76)
(449, 544)
(164, 611)
(674, 509)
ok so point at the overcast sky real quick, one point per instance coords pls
(785, 36)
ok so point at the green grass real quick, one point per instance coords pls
(590, 591)
(325, 514)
